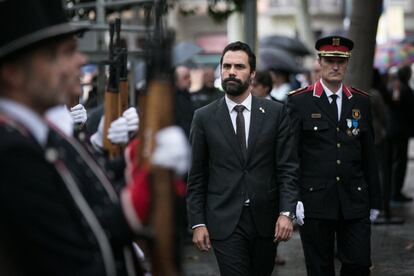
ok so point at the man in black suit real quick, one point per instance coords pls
(242, 186)
(339, 180)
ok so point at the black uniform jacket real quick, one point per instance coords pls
(59, 215)
(221, 177)
(339, 175)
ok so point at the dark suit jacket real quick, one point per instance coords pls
(56, 219)
(338, 169)
(220, 176)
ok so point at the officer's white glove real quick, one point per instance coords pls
(118, 131)
(373, 214)
(132, 119)
(172, 150)
(300, 213)
(78, 113)
(97, 137)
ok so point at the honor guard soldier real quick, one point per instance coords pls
(60, 213)
(339, 179)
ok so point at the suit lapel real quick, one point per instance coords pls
(256, 120)
(224, 121)
(324, 104)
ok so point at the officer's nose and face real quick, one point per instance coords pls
(333, 69)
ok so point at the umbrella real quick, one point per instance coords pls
(388, 55)
(184, 52)
(289, 44)
(273, 58)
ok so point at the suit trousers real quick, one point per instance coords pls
(353, 244)
(245, 252)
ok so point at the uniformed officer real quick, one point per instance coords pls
(339, 177)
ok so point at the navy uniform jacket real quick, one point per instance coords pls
(59, 213)
(339, 175)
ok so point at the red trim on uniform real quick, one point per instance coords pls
(347, 92)
(307, 89)
(331, 48)
(360, 92)
(317, 89)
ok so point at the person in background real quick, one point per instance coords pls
(184, 108)
(400, 99)
(315, 71)
(281, 84)
(208, 92)
(339, 179)
(262, 85)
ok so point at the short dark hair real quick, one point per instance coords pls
(263, 78)
(240, 46)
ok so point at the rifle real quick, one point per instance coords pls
(111, 98)
(123, 72)
(157, 110)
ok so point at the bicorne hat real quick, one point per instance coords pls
(334, 46)
(23, 23)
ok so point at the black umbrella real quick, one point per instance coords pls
(289, 44)
(277, 59)
(183, 52)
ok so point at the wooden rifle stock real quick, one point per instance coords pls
(123, 72)
(111, 98)
(157, 109)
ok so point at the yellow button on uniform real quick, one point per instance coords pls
(337, 129)
(338, 178)
(338, 162)
(315, 128)
(338, 145)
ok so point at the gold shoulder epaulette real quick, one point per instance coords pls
(297, 91)
(356, 90)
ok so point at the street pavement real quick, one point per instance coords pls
(392, 245)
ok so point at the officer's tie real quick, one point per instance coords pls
(334, 106)
(240, 128)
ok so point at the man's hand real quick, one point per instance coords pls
(283, 229)
(201, 238)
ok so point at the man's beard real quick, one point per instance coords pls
(235, 89)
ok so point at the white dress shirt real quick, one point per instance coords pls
(339, 93)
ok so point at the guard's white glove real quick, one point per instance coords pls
(373, 214)
(78, 113)
(97, 137)
(118, 131)
(172, 150)
(300, 213)
(132, 119)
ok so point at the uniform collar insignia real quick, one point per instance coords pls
(317, 89)
(347, 92)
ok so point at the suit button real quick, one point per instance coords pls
(359, 189)
(315, 128)
(337, 129)
(338, 178)
(338, 145)
(311, 189)
(338, 162)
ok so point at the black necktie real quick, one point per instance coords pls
(240, 128)
(334, 106)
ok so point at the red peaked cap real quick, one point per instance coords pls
(334, 46)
